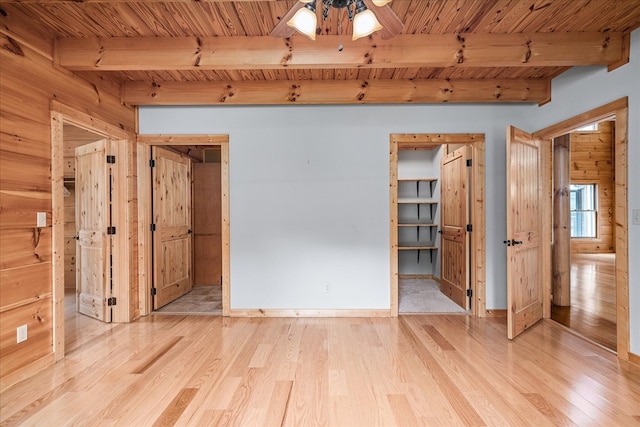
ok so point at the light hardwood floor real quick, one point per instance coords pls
(592, 313)
(414, 370)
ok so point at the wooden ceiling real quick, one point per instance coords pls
(220, 52)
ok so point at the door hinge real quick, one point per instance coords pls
(469, 292)
(153, 291)
(153, 227)
(111, 230)
(152, 163)
(111, 158)
(111, 301)
(469, 163)
(469, 227)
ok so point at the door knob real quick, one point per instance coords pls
(512, 242)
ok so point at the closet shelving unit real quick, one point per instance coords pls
(423, 221)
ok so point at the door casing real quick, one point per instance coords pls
(61, 114)
(619, 110)
(144, 213)
(477, 271)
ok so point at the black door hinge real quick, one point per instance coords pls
(152, 163)
(153, 291)
(469, 227)
(153, 227)
(469, 163)
(469, 292)
(111, 158)
(111, 301)
(111, 230)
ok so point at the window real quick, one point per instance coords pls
(588, 128)
(583, 206)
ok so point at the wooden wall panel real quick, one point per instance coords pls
(28, 84)
(24, 246)
(592, 163)
(207, 224)
(25, 284)
(37, 317)
(23, 172)
(18, 207)
(69, 240)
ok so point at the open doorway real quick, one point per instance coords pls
(77, 325)
(437, 223)
(208, 229)
(71, 129)
(618, 112)
(584, 287)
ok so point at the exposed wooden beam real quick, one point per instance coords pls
(135, 1)
(403, 51)
(334, 92)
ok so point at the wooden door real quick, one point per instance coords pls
(524, 232)
(94, 180)
(172, 221)
(454, 217)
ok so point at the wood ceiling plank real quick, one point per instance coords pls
(335, 92)
(283, 30)
(425, 50)
(391, 24)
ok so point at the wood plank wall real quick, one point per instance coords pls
(69, 233)
(207, 224)
(28, 84)
(592, 163)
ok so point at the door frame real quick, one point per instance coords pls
(145, 267)
(619, 110)
(478, 217)
(61, 115)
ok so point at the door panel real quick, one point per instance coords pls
(93, 246)
(454, 217)
(172, 219)
(524, 231)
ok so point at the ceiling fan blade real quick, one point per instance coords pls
(282, 29)
(391, 24)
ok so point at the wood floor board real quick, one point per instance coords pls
(412, 370)
(475, 378)
(592, 312)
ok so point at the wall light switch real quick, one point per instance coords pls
(22, 333)
(41, 219)
(636, 217)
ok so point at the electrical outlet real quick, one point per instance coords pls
(326, 287)
(21, 333)
(41, 219)
(636, 217)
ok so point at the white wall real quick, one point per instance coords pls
(309, 194)
(582, 89)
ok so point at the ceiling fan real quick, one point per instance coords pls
(367, 16)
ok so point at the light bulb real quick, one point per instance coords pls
(305, 20)
(365, 23)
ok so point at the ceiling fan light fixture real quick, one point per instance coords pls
(381, 3)
(305, 20)
(364, 22)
